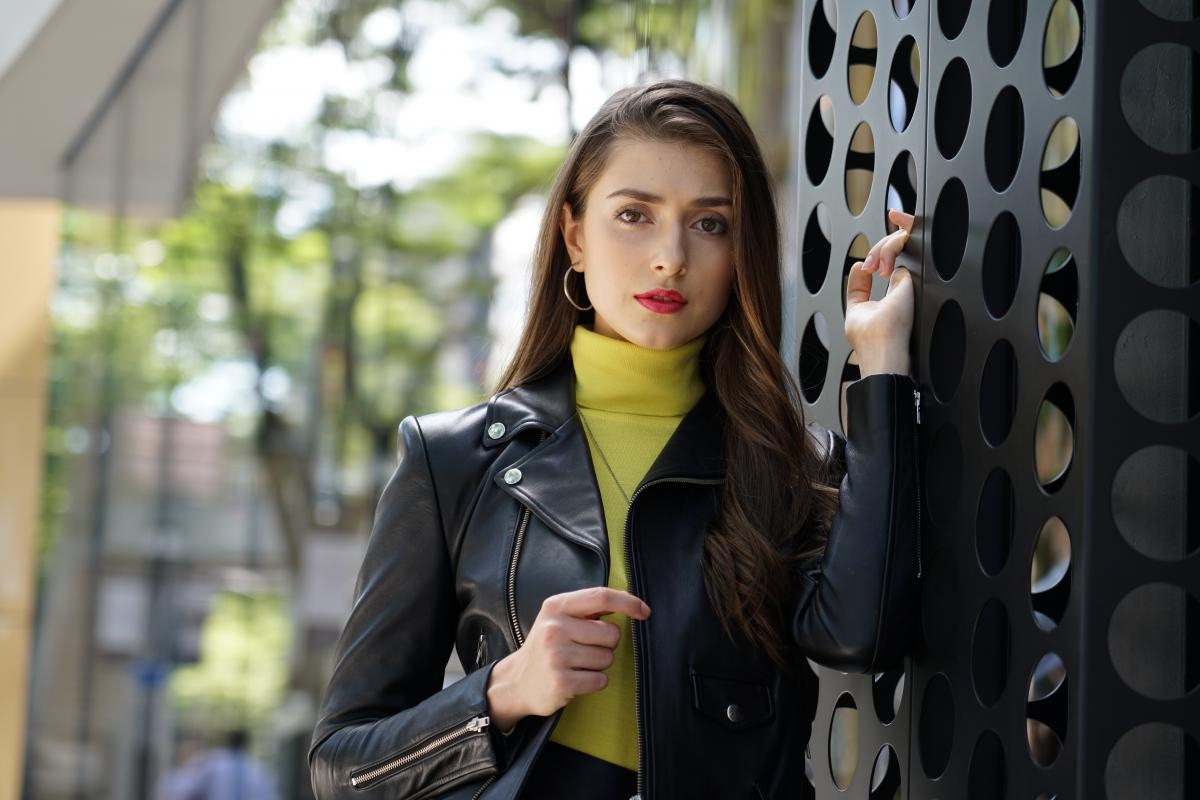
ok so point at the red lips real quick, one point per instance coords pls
(662, 301)
(662, 294)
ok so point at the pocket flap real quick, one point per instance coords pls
(732, 702)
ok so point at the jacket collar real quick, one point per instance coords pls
(557, 480)
(694, 449)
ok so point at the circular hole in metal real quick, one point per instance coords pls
(904, 83)
(936, 727)
(864, 52)
(903, 7)
(814, 357)
(1001, 265)
(1154, 750)
(998, 393)
(948, 237)
(1173, 10)
(1006, 24)
(986, 775)
(1156, 222)
(952, 16)
(1054, 438)
(843, 741)
(887, 691)
(1050, 574)
(1061, 173)
(1153, 365)
(1046, 710)
(952, 109)
(816, 249)
(860, 168)
(859, 247)
(947, 350)
(1150, 497)
(822, 36)
(1058, 304)
(994, 522)
(886, 779)
(1151, 639)
(1005, 138)
(818, 143)
(990, 652)
(1062, 46)
(1156, 97)
(901, 188)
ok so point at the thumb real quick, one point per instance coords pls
(899, 276)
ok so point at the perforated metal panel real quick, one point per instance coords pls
(1048, 150)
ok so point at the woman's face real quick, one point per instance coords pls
(655, 244)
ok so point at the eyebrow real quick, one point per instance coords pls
(647, 197)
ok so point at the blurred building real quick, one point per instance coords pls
(104, 106)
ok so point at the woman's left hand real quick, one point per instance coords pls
(879, 330)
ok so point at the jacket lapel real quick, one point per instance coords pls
(559, 485)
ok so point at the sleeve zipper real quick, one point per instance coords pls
(364, 777)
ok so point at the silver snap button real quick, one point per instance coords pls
(734, 713)
(512, 476)
(496, 430)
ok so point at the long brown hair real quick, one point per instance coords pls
(773, 482)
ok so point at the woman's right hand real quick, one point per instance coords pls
(564, 655)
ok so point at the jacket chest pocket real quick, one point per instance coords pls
(735, 704)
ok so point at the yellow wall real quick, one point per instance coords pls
(30, 233)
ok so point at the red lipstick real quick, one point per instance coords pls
(664, 301)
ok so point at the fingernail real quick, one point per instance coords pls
(645, 608)
(869, 264)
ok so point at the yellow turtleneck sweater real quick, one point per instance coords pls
(632, 398)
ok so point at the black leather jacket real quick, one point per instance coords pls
(495, 507)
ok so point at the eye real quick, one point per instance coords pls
(630, 215)
(712, 225)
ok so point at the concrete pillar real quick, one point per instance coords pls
(30, 232)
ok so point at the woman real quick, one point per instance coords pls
(634, 543)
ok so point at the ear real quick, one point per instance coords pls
(572, 233)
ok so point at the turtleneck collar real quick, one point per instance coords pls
(616, 375)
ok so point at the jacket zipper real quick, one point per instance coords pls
(475, 725)
(512, 579)
(917, 473)
(511, 588)
(634, 626)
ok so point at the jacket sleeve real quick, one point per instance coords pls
(854, 608)
(386, 727)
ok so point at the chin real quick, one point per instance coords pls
(659, 340)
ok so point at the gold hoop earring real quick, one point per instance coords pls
(577, 307)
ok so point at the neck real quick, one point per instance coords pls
(616, 375)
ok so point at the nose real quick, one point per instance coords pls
(670, 257)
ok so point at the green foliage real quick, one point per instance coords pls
(243, 669)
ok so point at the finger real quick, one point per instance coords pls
(898, 217)
(598, 601)
(589, 657)
(858, 285)
(871, 262)
(597, 632)
(892, 247)
(586, 681)
(898, 277)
